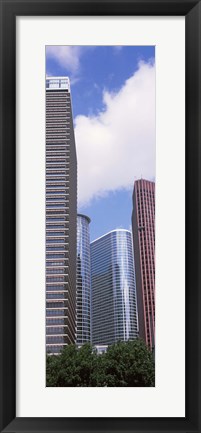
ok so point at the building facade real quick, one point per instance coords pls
(143, 223)
(101, 349)
(83, 303)
(61, 216)
(114, 309)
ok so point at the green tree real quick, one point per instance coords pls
(124, 364)
(129, 364)
(86, 361)
(73, 367)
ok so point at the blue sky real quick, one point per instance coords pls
(113, 101)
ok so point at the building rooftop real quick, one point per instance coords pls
(59, 83)
(84, 216)
(108, 233)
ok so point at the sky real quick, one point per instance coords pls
(113, 103)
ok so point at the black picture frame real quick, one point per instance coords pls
(9, 10)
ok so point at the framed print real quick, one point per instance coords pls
(100, 162)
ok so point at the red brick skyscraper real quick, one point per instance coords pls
(143, 223)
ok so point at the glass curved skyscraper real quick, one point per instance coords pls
(114, 309)
(83, 281)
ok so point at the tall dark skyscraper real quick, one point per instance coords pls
(143, 222)
(83, 304)
(114, 310)
(61, 216)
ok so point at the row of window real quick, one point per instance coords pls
(55, 321)
(51, 279)
(50, 232)
(52, 288)
(56, 256)
(55, 270)
(58, 248)
(56, 339)
(58, 295)
(54, 349)
(56, 312)
(56, 330)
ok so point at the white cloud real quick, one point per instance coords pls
(118, 145)
(67, 57)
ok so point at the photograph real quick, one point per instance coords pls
(100, 215)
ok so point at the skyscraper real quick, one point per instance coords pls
(114, 310)
(61, 216)
(143, 222)
(83, 303)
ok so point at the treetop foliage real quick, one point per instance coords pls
(125, 364)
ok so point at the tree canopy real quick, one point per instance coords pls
(124, 364)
